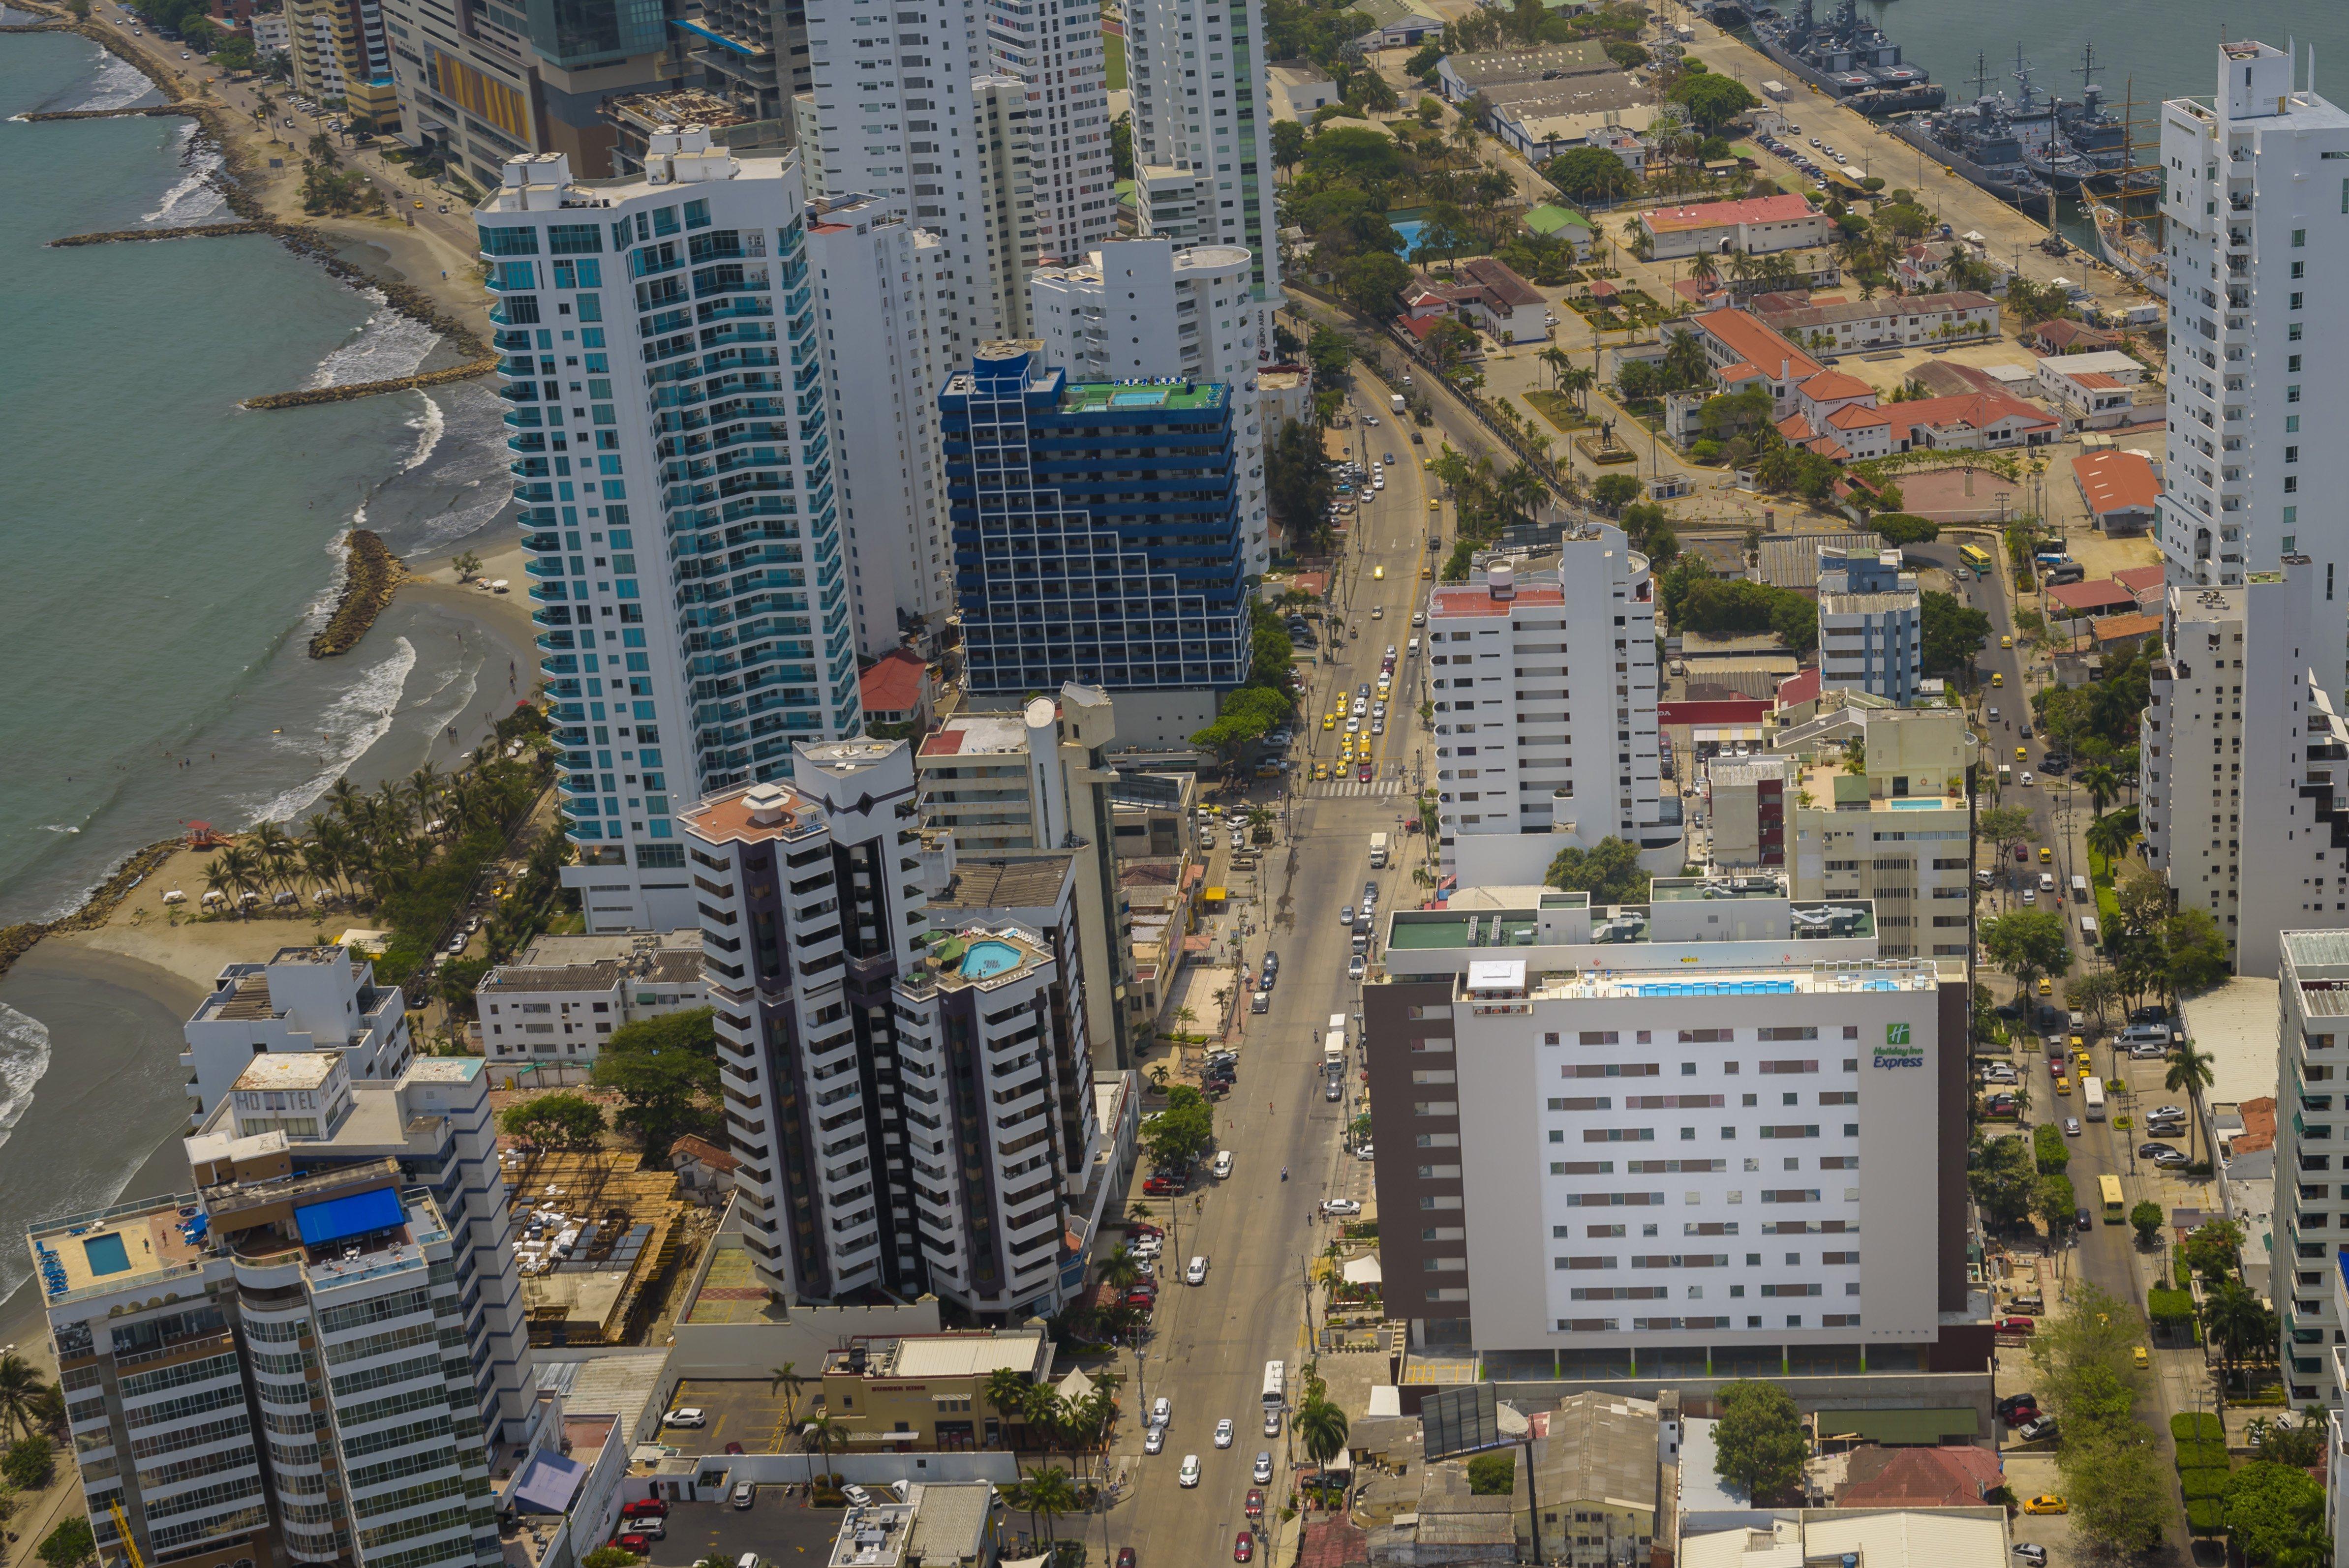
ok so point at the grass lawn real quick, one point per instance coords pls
(2108, 909)
(1557, 408)
(1113, 61)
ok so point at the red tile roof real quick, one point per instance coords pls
(1741, 710)
(1919, 1478)
(1796, 428)
(893, 684)
(2117, 628)
(1829, 385)
(1499, 280)
(1803, 687)
(2087, 598)
(2141, 580)
(2112, 480)
(2258, 1125)
(1858, 416)
(1724, 215)
(1477, 601)
(1977, 410)
(1745, 335)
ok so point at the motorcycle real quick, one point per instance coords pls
(1284, 1172)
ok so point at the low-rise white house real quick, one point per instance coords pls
(562, 995)
(2092, 391)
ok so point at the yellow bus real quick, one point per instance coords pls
(2108, 1188)
(1976, 557)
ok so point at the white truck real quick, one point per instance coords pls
(1378, 849)
(1394, 402)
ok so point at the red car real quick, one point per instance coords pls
(2015, 1326)
(1125, 1557)
(1363, 772)
(1243, 1547)
(645, 1508)
(631, 1542)
(1142, 1228)
(1159, 1187)
(1256, 1503)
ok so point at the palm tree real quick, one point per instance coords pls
(1121, 1268)
(820, 1432)
(1047, 1415)
(1006, 1395)
(1579, 381)
(2111, 833)
(786, 1380)
(1705, 269)
(2103, 785)
(237, 863)
(2189, 1073)
(20, 1393)
(1049, 1493)
(1321, 1428)
(2232, 1316)
(1557, 361)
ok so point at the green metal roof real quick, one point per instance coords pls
(1549, 218)
(1895, 1427)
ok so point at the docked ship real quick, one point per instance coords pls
(1849, 59)
(1989, 142)
(2125, 244)
(2095, 132)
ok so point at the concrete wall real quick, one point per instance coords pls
(1872, 1391)
(731, 1470)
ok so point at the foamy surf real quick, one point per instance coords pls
(387, 345)
(195, 198)
(117, 84)
(360, 715)
(429, 425)
(24, 1058)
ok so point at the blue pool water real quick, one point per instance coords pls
(986, 959)
(1150, 399)
(108, 1253)
(1915, 805)
(1409, 229)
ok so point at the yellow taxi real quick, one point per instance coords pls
(1320, 771)
(2141, 1358)
(2046, 987)
(2023, 754)
(1378, 573)
(2006, 642)
(2046, 1503)
(1998, 677)
(1434, 504)
(2064, 1086)
(2046, 855)
(1329, 721)
(2087, 1065)
(1427, 574)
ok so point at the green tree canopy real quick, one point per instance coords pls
(1493, 1474)
(2120, 1490)
(1712, 100)
(1609, 871)
(1183, 1130)
(1372, 282)
(1248, 714)
(1359, 157)
(69, 1545)
(1590, 174)
(2027, 943)
(559, 1120)
(29, 1463)
(1287, 143)
(1758, 1444)
(2269, 1506)
(1328, 350)
(663, 1067)
(1951, 632)
(1296, 481)
(2004, 1180)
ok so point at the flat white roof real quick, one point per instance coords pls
(2237, 1024)
(1496, 975)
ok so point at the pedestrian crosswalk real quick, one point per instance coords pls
(1337, 789)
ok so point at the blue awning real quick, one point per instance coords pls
(354, 1216)
(718, 38)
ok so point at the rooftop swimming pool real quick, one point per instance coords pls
(988, 959)
(1912, 803)
(108, 1253)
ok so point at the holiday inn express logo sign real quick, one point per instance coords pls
(1896, 1051)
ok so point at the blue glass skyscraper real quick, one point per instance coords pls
(1096, 529)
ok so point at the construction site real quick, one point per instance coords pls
(595, 1237)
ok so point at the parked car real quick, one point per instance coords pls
(2036, 1429)
(1243, 1547)
(1223, 1165)
(2155, 1151)
(1125, 1557)
(645, 1508)
(2018, 1406)
(1254, 1507)
(1197, 1274)
(857, 1495)
(1153, 1440)
(2046, 1503)
(688, 1416)
(1340, 1206)
(1161, 1411)
(1262, 1472)
(745, 1495)
(2036, 1556)
(2016, 1325)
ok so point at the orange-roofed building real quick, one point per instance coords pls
(897, 688)
(2120, 489)
(1755, 226)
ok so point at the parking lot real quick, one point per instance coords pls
(778, 1529)
(744, 1410)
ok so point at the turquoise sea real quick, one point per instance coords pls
(167, 555)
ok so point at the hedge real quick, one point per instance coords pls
(2169, 1306)
(2201, 1483)
(2198, 1426)
(2202, 1456)
(2205, 1516)
(2047, 1146)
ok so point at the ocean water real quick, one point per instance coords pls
(169, 554)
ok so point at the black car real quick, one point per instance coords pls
(2153, 1150)
(2081, 1219)
(2018, 1408)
